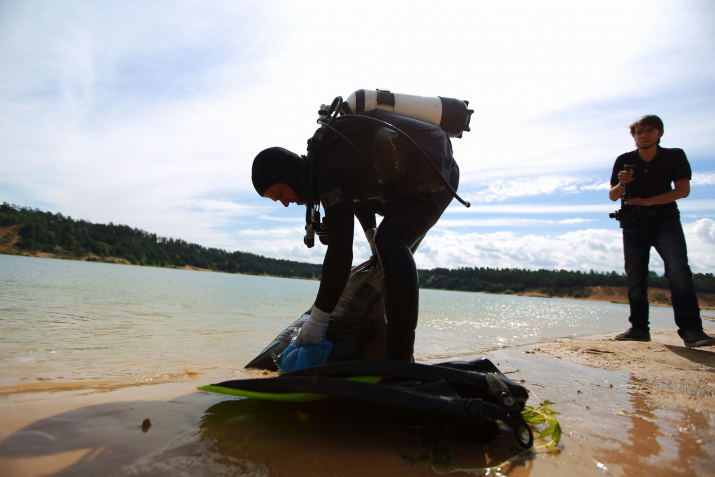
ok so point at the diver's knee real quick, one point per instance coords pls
(400, 345)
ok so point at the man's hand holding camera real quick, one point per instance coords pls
(625, 177)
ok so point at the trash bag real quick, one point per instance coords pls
(357, 327)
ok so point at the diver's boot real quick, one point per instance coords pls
(400, 346)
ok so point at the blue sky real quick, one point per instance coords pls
(150, 113)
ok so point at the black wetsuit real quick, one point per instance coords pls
(349, 186)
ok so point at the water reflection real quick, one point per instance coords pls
(667, 442)
(202, 434)
(336, 437)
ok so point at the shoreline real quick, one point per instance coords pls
(632, 408)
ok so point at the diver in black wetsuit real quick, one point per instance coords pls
(350, 184)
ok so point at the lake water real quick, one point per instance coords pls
(65, 323)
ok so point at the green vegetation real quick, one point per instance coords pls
(32, 231)
(440, 457)
(550, 282)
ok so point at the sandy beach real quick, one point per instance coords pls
(625, 409)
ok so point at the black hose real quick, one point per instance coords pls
(414, 143)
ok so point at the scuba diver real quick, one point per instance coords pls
(363, 163)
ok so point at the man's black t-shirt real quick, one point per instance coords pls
(653, 178)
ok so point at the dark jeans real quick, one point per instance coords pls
(668, 239)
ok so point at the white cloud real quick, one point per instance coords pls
(703, 178)
(688, 205)
(149, 114)
(498, 190)
(600, 250)
(580, 250)
(590, 249)
(515, 223)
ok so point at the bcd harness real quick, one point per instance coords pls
(391, 141)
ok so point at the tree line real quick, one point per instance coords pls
(551, 282)
(65, 237)
(68, 238)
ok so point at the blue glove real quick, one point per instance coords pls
(314, 328)
(305, 356)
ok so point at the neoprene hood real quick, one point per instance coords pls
(276, 165)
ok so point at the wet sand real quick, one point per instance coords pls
(625, 409)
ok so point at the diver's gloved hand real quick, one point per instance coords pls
(370, 236)
(314, 328)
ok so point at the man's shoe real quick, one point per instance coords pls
(697, 338)
(634, 334)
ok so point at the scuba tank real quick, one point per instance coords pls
(452, 115)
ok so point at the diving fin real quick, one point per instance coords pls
(445, 393)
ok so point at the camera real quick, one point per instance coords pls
(625, 213)
(630, 212)
(315, 227)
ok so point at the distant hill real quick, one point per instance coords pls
(25, 231)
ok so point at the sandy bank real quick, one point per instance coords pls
(656, 296)
(672, 375)
(637, 409)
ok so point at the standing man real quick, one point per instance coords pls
(649, 218)
(348, 179)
